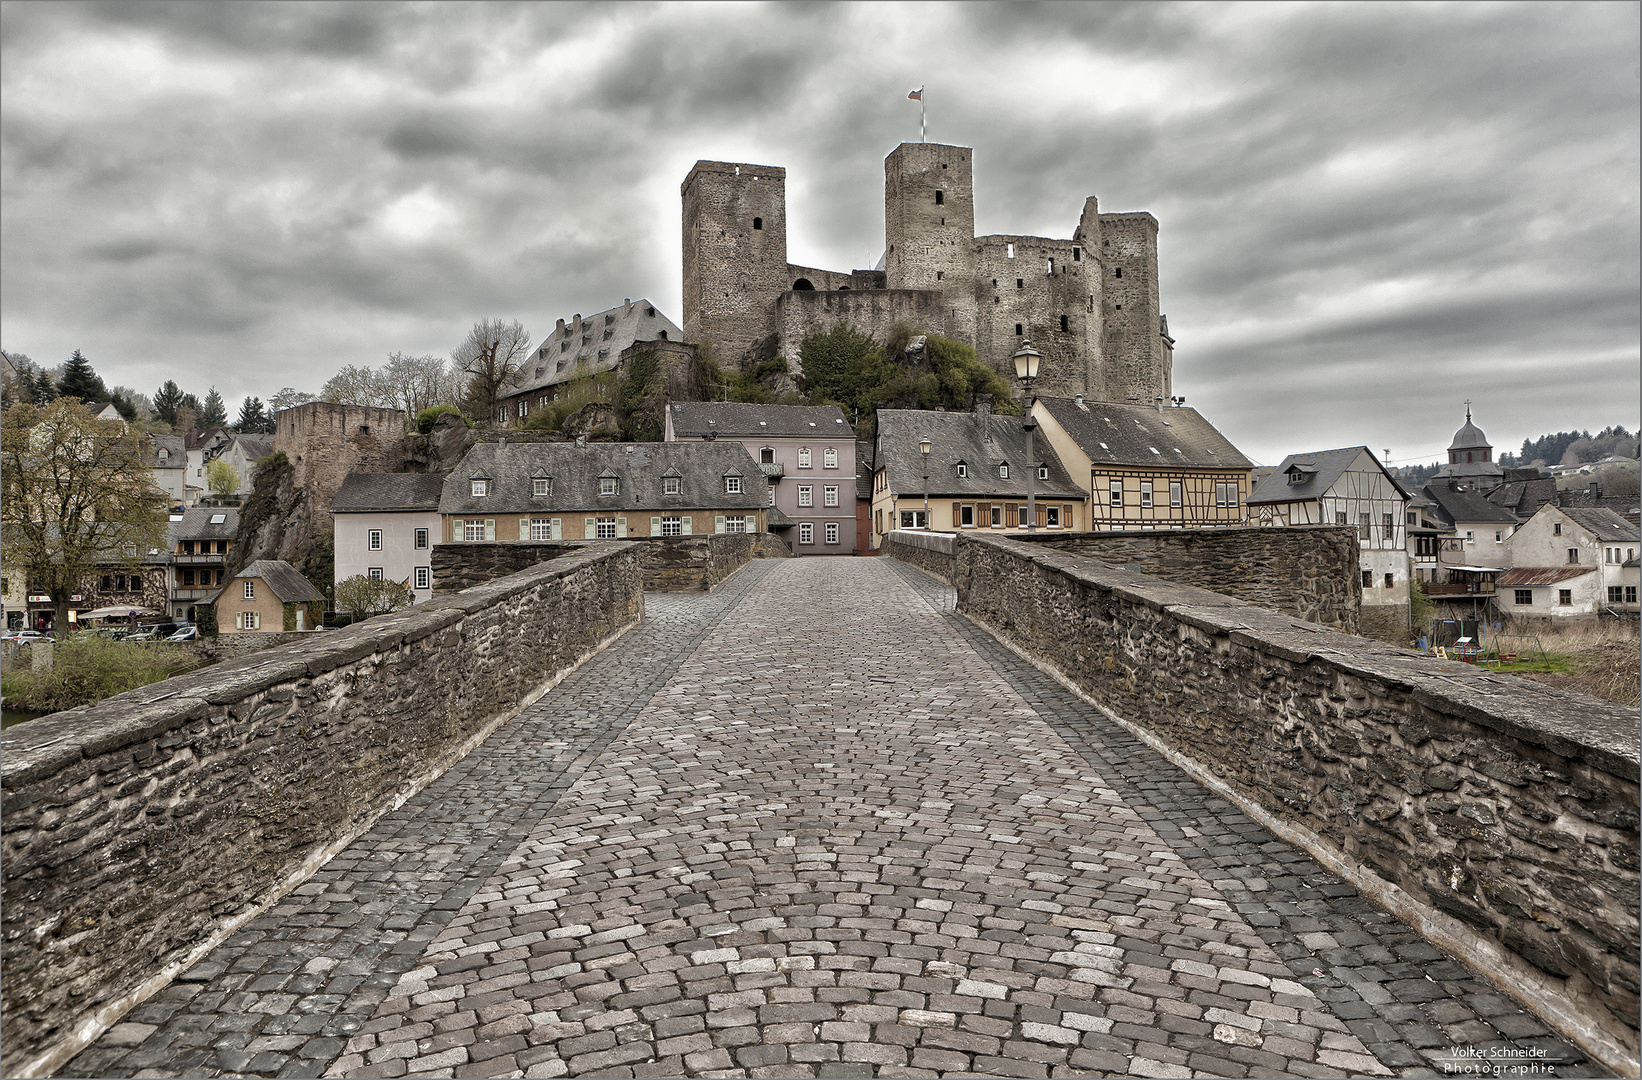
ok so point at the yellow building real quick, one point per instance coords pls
(1147, 468)
(268, 597)
(976, 475)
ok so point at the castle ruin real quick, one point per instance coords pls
(1088, 304)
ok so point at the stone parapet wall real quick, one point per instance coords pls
(668, 563)
(1309, 571)
(799, 314)
(142, 830)
(1498, 816)
(462, 566)
(928, 551)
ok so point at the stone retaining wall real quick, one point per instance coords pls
(1310, 571)
(928, 551)
(670, 563)
(1496, 815)
(140, 831)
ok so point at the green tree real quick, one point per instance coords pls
(76, 494)
(166, 400)
(253, 420)
(222, 478)
(45, 387)
(362, 596)
(214, 413)
(79, 381)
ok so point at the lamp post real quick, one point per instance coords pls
(1026, 369)
(924, 447)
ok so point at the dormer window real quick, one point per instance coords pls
(732, 485)
(669, 485)
(1003, 470)
(607, 485)
(963, 469)
(1043, 472)
(480, 487)
(540, 486)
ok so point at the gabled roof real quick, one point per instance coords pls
(205, 523)
(983, 440)
(1457, 504)
(197, 439)
(591, 345)
(254, 447)
(1524, 497)
(693, 419)
(1318, 472)
(288, 585)
(375, 492)
(574, 472)
(863, 469)
(1114, 434)
(1524, 576)
(1601, 522)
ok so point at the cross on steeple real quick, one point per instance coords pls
(1467, 410)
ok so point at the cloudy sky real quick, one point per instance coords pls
(1368, 213)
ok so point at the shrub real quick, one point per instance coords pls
(88, 669)
(363, 596)
(428, 417)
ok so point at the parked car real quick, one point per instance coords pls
(185, 633)
(25, 637)
(143, 633)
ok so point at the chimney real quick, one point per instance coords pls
(560, 328)
(983, 404)
(1159, 403)
(1079, 399)
(626, 304)
(1596, 489)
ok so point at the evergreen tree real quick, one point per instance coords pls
(126, 407)
(166, 400)
(78, 380)
(213, 413)
(253, 420)
(45, 388)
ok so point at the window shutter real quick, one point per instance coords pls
(590, 530)
(524, 528)
(1043, 516)
(957, 515)
(684, 525)
(556, 529)
(752, 523)
(718, 524)
(455, 529)
(490, 528)
(655, 526)
(621, 528)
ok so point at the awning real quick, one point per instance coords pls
(1476, 569)
(115, 613)
(1521, 576)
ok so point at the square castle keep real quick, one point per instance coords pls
(1088, 304)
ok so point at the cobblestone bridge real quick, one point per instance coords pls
(816, 824)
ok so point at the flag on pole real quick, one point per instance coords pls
(923, 130)
(916, 95)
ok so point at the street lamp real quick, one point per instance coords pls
(1026, 369)
(924, 447)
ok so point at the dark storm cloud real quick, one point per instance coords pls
(1365, 210)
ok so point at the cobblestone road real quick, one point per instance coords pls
(815, 824)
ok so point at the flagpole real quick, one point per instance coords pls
(923, 131)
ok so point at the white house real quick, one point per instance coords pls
(385, 527)
(1350, 487)
(1572, 562)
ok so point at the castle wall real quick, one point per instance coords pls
(326, 442)
(1133, 350)
(735, 256)
(802, 313)
(1017, 288)
(929, 244)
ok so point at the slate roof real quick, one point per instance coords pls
(1321, 468)
(591, 345)
(1524, 576)
(979, 440)
(288, 585)
(1113, 434)
(177, 454)
(1602, 523)
(254, 447)
(1465, 504)
(863, 469)
(375, 492)
(197, 524)
(1524, 497)
(739, 421)
(575, 472)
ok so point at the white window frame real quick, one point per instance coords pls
(829, 458)
(963, 470)
(1043, 472)
(374, 573)
(420, 540)
(732, 485)
(609, 485)
(1145, 494)
(373, 539)
(803, 457)
(1115, 492)
(540, 486)
(806, 532)
(966, 516)
(604, 528)
(250, 589)
(669, 485)
(1177, 494)
(480, 488)
(1003, 470)
(829, 495)
(736, 523)
(424, 577)
(250, 620)
(1051, 517)
(541, 529)
(672, 525)
(473, 530)
(806, 495)
(997, 516)
(832, 532)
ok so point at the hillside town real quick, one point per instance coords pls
(626, 425)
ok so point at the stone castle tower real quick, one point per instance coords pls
(1089, 304)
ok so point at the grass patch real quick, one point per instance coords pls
(87, 670)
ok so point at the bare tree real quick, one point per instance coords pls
(289, 398)
(358, 386)
(421, 382)
(493, 353)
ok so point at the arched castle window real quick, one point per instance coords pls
(803, 284)
(758, 223)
